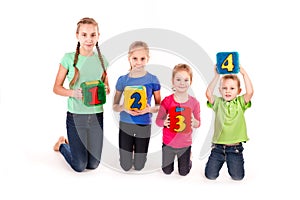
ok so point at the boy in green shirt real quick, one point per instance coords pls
(230, 125)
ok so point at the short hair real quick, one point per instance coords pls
(182, 67)
(233, 77)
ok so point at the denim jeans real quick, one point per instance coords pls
(85, 136)
(232, 155)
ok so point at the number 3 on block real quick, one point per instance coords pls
(228, 62)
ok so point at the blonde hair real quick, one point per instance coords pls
(138, 45)
(86, 20)
(182, 67)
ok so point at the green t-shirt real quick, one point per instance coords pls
(90, 69)
(230, 124)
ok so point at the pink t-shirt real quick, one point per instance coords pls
(171, 137)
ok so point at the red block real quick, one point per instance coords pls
(180, 119)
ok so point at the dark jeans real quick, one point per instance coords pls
(85, 135)
(183, 157)
(133, 145)
(232, 155)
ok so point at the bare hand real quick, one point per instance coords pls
(77, 93)
(107, 89)
(167, 121)
(139, 112)
(195, 123)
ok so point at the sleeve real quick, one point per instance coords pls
(162, 114)
(67, 60)
(106, 63)
(119, 84)
(215, 104)
(242, 103)
(155, 83)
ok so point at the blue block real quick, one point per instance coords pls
(228, 63)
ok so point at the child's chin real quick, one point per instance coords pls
(228, 99)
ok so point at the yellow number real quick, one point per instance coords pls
(228, 63)
(181, 123)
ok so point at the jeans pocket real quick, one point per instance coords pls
(239, 149)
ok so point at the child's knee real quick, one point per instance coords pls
(237, 177)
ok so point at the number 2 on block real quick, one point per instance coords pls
(136, 103)
(228, 63)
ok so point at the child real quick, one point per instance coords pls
(83, 148)
(230, 126)
(178, 143)
(135, 125)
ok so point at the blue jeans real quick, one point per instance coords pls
(85, 135)
(232, 155)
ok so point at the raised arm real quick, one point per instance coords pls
(248, 85)
(211, 87)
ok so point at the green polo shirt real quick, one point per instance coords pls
(90, 69)
(230, 124)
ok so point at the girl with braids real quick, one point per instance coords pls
(83, 148)
(135, 125)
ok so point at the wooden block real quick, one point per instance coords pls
(180, 119)
(135, 97)
(228, 63)
(93, 93)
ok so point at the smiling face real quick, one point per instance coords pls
(87, 35)
(229, 88)
(181, 81)
(138, 59)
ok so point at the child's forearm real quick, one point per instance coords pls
(248, 85)
(154, 109)
(211, 87)
(117, 108)
(161, 116)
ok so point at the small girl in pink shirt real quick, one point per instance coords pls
(178, 114)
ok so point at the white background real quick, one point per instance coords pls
(36, 34)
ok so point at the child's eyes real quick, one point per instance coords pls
(85, 35)
(142, 59)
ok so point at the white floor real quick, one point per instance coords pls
(30, 169)
(36, 34)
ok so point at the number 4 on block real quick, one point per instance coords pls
(228, 63)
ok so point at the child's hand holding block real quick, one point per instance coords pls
(93, 93)
(228, 63)
(135, 97)
(180, 119)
